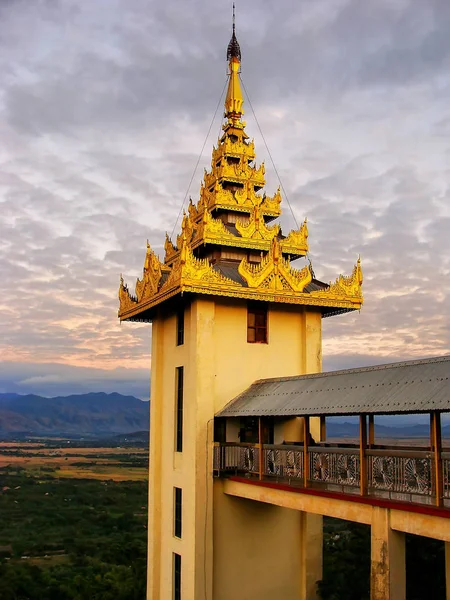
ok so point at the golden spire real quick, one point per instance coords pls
(234, 99)
(226, 246)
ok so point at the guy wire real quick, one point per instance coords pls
(268, 151)
(199, 158)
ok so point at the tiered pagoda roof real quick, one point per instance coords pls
(227, 245)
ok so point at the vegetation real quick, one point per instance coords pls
(346, 568)
(346, 561)
(72, 539)
(73, 526)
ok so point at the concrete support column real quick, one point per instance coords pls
(447, 570)
(155, 474)
(199, 557)
(311, 554)
(388, 568)
(311, 336)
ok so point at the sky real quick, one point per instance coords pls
(104, 109)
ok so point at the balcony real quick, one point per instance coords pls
(399, 474)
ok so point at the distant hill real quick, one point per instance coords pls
(338, 430)
(137, 436)
(95, 413)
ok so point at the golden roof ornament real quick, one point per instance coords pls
(234, 100)
(234, 50)
(226, 246)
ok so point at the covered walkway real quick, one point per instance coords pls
(412, 474)
(271, 447)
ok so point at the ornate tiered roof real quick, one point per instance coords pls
(227, 245)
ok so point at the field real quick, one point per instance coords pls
(74, 521)
(116, 463)
(74, 527)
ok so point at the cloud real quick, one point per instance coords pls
(103, 110)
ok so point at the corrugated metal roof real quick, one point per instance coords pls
(406, 387)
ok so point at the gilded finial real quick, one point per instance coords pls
(359, 273)
(183, 254)
(234, 99)
(233, 50)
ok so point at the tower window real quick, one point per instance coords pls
(256, 324)
(177, 512)
(179, 409)
(180, 327)
(176, 576)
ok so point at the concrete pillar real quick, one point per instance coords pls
(312, 356)
(155, 473)
(311, 554)
(388, 567)
(447, 570)
(256, 550)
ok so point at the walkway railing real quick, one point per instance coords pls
(400, 472)
(283, 461)
(236, 458)
(446, 474)
(334, 466)
(390, 473)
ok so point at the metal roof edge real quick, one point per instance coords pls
(233, 400)
(407, 363)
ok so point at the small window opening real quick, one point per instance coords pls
(180, 327)
(179, 409)
(176, 577)
(177, 512)
(257, 324)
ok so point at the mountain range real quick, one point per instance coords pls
(94, 413)
(351, 430)
(104, 414)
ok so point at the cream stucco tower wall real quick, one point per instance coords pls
(223, 540)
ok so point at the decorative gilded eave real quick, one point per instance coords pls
(238, 173)
(187, 230)
(170, 250)
(255, 228)
(237, 149)
(275, 273)
(273, 280)
(296, 243)
(242, 200)
(127, 302)
(151, 277)
(254, 234)
(346, 286)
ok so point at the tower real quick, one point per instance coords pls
(227, 308)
